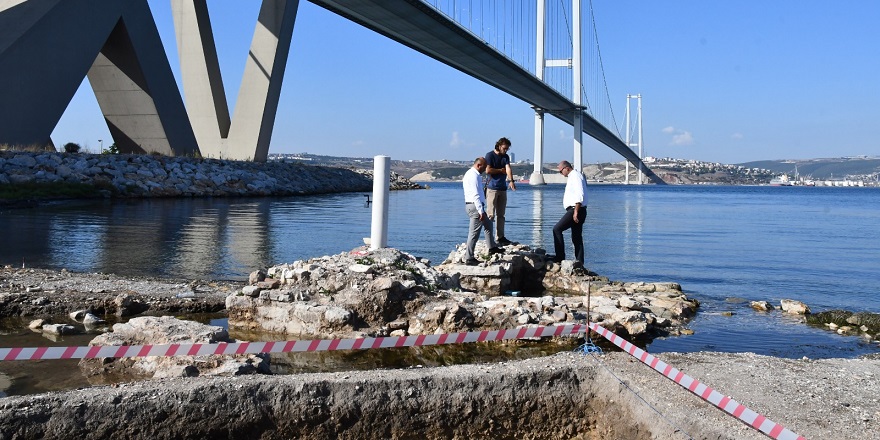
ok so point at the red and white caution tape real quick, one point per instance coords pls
(730, 406)
(120, 351)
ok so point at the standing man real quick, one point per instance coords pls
(500, 177)
(575, 202)
(474, 205)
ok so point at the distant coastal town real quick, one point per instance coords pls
(858, 171)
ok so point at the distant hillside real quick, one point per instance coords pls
(821, 168)
(672, 171)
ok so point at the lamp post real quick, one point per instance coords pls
(101, 144)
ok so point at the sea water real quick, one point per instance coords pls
(726, 245)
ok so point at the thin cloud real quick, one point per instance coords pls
(680, 138)
(736, 136)
(456, 140)
(358, 143)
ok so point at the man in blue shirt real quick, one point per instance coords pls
(500, 177)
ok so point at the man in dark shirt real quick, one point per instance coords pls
(500, 177)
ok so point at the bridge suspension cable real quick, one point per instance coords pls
(509, 26)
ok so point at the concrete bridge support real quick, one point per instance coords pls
(47, 47)
(246, 136)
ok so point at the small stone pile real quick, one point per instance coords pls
(387, 292)
(133, 175)
(168, 330)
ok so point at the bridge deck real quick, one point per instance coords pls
(421, 27)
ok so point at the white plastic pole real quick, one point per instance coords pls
(381, 184)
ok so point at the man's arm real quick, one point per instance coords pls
(510, 182)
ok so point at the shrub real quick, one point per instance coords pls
(71, 147)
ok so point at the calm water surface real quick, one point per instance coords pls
(725, 245)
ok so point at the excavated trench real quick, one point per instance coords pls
(555, 397)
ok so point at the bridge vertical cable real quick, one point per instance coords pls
(510, 27)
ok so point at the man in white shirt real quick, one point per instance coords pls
(475, 206)
(575, 203)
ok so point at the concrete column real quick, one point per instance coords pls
(47, 47)
(247, 134)
(537, 177)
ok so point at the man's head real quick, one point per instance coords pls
(480, 164)
(564, 167)
(502, 145)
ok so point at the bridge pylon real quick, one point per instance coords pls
(629, 142)
(575, 64)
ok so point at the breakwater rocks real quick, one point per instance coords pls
(127, 175)
(386, 292)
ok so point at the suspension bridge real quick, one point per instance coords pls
(530, 49)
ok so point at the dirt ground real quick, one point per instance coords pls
(564, 396)
(43, 293)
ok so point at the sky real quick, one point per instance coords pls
(721, 81)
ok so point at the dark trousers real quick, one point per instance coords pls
(577, 239)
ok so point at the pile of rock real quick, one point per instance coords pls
(388, 292)
(864, 324)
(128, 175)
(168, 330)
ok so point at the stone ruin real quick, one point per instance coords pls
(386, 292)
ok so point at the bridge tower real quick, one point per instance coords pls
(575, 64)
(629, 142)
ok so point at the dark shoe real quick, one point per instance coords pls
(472, 262)
(504, 241)
(496, 250)
(554, 258)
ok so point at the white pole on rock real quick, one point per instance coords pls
(381, 184)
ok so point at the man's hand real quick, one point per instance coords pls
(575, 216)
(512, 185)
(482, 216)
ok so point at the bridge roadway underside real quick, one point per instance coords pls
(421, 27)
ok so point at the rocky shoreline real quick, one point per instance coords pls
(389, 293)
(132, 175)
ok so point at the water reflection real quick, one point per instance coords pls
(633, 218)
(537, 216)
(227, 236)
